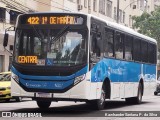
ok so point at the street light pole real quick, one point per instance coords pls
(117, 11)
(130, 4)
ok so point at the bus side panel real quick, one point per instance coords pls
(124, 77)
(149, 72)
(131, 77)
(82, 90)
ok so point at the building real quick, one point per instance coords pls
(9, 10)
(106, 9)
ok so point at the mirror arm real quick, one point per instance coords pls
(9, 29)
(8, 51)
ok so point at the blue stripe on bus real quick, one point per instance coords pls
(149, 72)
(122, 71)
(52, 85)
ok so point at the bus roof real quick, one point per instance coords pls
(125, 29)
(111, 24)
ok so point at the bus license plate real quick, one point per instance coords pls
(44, 95)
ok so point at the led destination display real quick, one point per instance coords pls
(53, 20)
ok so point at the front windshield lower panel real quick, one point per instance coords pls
(50, 47)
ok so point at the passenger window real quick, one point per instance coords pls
(128, 47)
(151, 53)
(119, 45)
(108, 43)
(96, 41)
(144, 49)
(137, 49)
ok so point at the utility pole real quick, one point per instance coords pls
(117, 11)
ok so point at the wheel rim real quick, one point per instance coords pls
(102, 99)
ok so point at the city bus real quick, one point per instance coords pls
(80, 57)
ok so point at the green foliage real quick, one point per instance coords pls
(149, 24)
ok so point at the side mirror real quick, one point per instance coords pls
(5, 40)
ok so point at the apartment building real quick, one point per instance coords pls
(106, 9)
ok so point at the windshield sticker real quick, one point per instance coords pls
(27, 59)
(49, 62)
(41, 62)
(51, 55)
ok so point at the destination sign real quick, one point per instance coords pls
(27, 59)
(53, 20)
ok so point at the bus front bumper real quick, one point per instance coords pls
(79, 92)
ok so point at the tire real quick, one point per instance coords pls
(43, 104)
(99, 104)
(155, 93)
(138, 99)
(101, 101)
(19, 99)
(129, 100)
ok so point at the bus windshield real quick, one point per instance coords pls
(51, 47)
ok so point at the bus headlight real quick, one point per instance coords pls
(15, 77)
(79, 79)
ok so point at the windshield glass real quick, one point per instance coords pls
(51, 47)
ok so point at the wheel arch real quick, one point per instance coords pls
(107, 84)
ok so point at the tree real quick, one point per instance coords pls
(149, 24)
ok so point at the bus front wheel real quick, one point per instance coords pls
(19, 99)
(43, 104)
(155, 93)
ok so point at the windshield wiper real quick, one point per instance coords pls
(60, 34)
(39, 36)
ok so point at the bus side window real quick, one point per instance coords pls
(144, 51)
(108, 43)
(128, 47)
(119, 45)
(152, 53)
(137, 49)
(96, 41)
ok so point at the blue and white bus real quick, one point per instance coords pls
(80, 57)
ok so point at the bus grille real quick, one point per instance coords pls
(47, 70)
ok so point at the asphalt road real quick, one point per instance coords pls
(80, 110)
